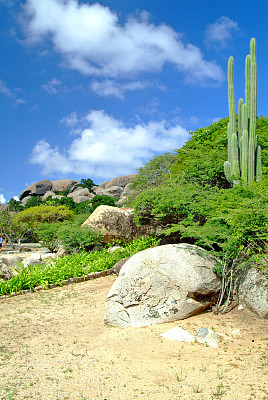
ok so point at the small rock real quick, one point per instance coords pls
(5, 272)
(240, 307)
(179, 334)
(208, 337)
(236, 332)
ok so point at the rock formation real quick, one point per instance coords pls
(162, 284)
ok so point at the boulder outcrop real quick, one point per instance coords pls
(252, 290)
(63, 184)
(162, 284)
(120, 181)
(116, 188)
(38, 189)
(116, 224)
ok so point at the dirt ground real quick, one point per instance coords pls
(55, 346)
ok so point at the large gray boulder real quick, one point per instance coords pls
(81, 199)
(162, 284)
(52, 194)
(38, 188)
(81, 192)
(252, 290)
(116, 224)
(63, 184)
(103, 184)
(98, 190)
(113, 191)
(120, 181)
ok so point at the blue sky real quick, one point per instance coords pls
(95, 90)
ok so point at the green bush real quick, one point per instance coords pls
(101, 199)
(47, 235)
(223, 221)
(28, 219)
(152, 174)
(34, 201)
(71, 267)
(76, 239)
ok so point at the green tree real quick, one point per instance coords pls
(28, 219)
(87, 183)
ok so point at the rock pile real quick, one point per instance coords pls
(116, 188)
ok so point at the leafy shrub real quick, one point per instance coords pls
(76, 239)
(152, 174)
(101, 199)
(43, 213)
(47, 234)
(15, 205)
(71, 267)
(34, 201)
(220, 220)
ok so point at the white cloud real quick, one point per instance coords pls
(106, 147)
(16, 198)
(110, 87)
(5, 90)
(11, 93)
(92, 41)
(52, 86)
(69, 120)
(20, 101)
(221, 31)
(2, 199)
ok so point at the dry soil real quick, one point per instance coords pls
(55, 346)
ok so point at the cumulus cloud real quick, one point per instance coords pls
(110, 87)
(107, 147)
(52, 86)
(92, 41)
(2, 198)
(220, 32)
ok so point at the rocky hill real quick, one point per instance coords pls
(117, 188)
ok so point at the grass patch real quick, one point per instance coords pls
(72, 266)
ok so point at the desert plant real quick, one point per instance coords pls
(244, 154)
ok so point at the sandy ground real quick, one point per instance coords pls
(55, 346)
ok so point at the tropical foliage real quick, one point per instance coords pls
(193, 202)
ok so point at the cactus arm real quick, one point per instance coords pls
(258, 163)
(244, 154)
(244, 147)
(228, 172)
(240, 130)
(231, 97)
(253, 111)
(247, 85)
(235, 160)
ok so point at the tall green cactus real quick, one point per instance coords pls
(244, 155)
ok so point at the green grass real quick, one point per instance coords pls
(71, 267)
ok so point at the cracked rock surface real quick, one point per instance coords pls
(162, 284)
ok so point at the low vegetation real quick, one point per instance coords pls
(189, 197)
(72, 266)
